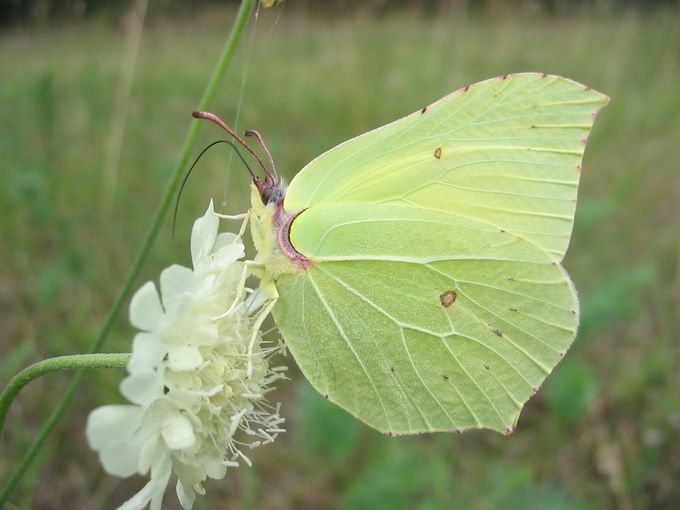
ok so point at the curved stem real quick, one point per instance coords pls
(242, 17)
(75, 362)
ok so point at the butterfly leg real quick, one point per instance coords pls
(244, 224)
(231, 216)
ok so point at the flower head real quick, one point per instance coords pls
(197, 375)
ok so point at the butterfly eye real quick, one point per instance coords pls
(276, 196)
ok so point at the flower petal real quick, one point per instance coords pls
(141, 499)
(224, 239)
(184, 357)
(215, 468)
(228, 254)
(121, 458)
(203, 235)
(142, 387)
(185, 399)
(178, 432)
(150, 452)
(108, 422)
(147, 353)
(176, 281)
(191, 475)
(145, 308)
(154, 490)
(161, 472)
(186, 495)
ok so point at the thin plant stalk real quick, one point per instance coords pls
(72, 362)
(244, 13)
(121, 103)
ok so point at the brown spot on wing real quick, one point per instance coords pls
(448, 298)
(438, 153)
(424, 109)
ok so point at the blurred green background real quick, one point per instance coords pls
(88, 137)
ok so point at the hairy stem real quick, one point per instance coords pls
(74, 362)
(245, 10)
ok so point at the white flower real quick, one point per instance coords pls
(188, 376)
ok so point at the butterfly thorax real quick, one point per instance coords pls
(270, 229)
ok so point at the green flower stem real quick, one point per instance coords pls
(242, 17)
(74, 362)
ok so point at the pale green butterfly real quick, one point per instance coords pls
(415, 269)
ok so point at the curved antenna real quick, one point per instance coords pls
(186, 177)
(215, 119)
(252, 132)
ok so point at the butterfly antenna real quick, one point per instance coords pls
(215, 119)
(186, 177)
(258, 136)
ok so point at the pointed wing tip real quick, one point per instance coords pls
(602, 99)
(544, 75)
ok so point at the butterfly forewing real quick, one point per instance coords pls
(506, 152)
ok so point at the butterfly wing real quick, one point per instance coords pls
(506, 152)
(435, 299)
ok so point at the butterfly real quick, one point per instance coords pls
(415, 270)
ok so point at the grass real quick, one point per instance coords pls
(605, 430)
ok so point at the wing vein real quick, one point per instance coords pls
(400, 326)
(422, 381)
(514, 344)
(337, 325)
(417, 121)
(312, 344)
(508, 291)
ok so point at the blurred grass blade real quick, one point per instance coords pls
(135, 24)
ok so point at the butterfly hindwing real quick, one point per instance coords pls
(414, 320)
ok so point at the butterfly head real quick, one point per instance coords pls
(272, 189)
